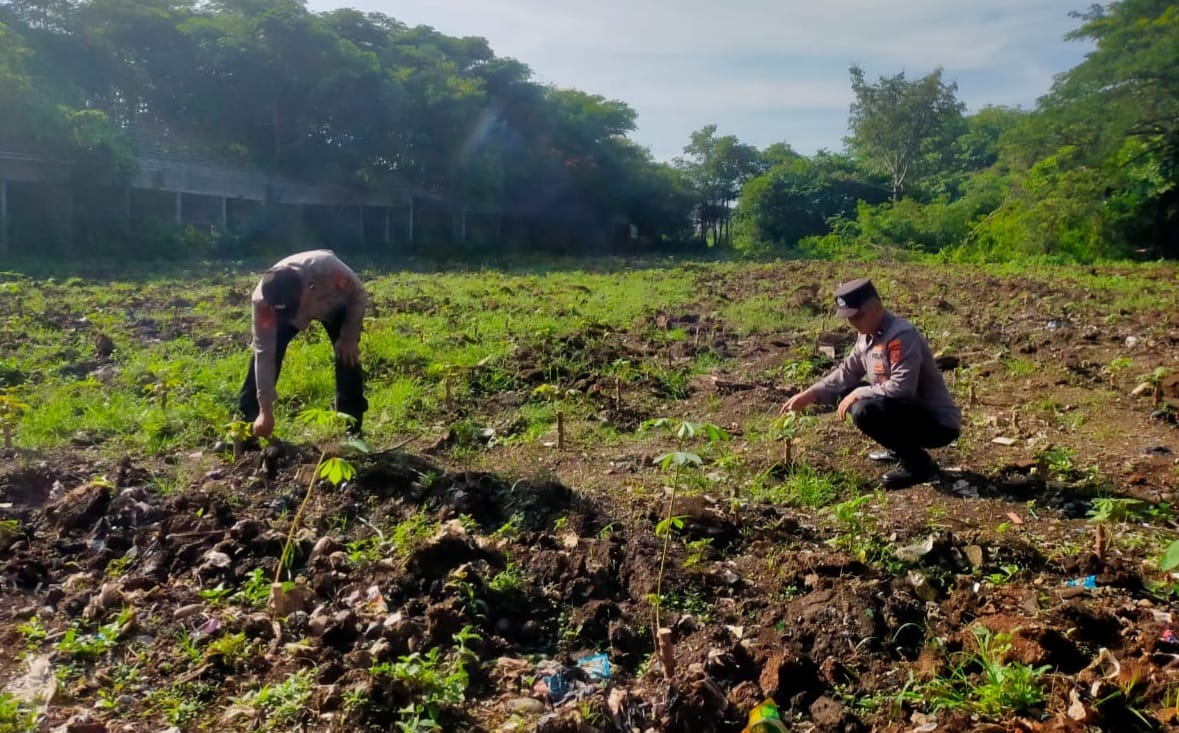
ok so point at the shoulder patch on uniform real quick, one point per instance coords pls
(895, 351)
(264, 316)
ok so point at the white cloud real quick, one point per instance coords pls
(736, 94)
(682, 64)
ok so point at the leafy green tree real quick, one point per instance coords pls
(978, 147)
(1122, 104)
(342, 97)
(284, 80)
(799, 197)
(717, 167)
(902, 128)
(17, 97)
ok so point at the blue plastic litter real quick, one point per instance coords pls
(1089, 581)
(597, 666)
(558, 686)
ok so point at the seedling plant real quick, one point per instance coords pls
(333, 469)
(677, 461)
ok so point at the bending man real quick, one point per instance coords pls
(305, 287)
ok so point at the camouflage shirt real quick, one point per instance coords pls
(328, 286)
(895, 362)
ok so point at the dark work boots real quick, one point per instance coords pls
(915, 470)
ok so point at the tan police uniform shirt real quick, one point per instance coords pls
(328, 286)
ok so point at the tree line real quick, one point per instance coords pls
(363, 100)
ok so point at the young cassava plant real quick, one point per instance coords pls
(326, 427)
(787, 428)
(675, 461)
(11, 409)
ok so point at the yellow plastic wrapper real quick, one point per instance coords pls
(765, 719)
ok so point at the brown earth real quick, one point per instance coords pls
(780, 601)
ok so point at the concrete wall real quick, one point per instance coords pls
(224, 198)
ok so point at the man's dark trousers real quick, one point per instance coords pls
(903, 426)
(349, 377)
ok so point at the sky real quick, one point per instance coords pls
(766, 71)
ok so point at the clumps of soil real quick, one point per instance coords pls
(531, 569)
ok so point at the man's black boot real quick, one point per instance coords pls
(909, 473)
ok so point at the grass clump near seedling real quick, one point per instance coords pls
(984, 682)
(277, 707)
(435, 680)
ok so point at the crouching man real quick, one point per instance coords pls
(904, 406)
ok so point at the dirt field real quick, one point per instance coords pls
(943, 607)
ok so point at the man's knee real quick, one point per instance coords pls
(867, 412)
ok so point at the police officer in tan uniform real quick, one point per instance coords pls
(305, 287)
(890, 386)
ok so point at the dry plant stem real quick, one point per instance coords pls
(666, 652)
(1099, 542)
(560, 430)
(282, 559)
(403, 443)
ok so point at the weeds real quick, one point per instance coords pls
(508, 580)
(180, 704)
(92, 647)
(1060, 463)
(805, 486)
(697, 551)
(1004, 575)
(10, 531)
(280, 706)
(254, 591)
(15, 717)
(231, 650)
(33, 632)
(411, 533)
(983, 682)
(691, 601)
(10, 411)
(434, 680)
(467, 591)
(857, 527)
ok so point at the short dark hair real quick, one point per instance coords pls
(282, 288)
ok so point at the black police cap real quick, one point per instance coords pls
(853, 294)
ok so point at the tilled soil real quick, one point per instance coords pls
(531, 559)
